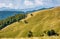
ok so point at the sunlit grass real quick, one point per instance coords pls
(40, 21)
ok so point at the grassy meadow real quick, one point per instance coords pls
(38, 22)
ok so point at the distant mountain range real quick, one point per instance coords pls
(7, 9)
(23, 10)
(6, 12)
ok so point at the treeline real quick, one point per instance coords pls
(11, 19)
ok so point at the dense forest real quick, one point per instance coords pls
(11, 19)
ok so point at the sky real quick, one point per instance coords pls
(26, 4)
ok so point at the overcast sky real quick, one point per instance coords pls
(23, 4)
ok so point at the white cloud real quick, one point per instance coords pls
(32, 4)
(2, 5)
(17, 6)
(10, 5)
(38, 2)
(23, 4)
(28, 3)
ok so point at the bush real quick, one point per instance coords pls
(51, 33)
(30, 34)
(45, 32)
(25, 21)
(31, 14)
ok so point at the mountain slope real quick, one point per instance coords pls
(38, 22)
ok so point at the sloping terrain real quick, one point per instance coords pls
(38, 22)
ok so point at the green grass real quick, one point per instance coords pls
(43, 20)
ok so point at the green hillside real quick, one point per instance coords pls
(37, 23)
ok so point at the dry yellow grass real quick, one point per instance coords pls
(39, 22)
